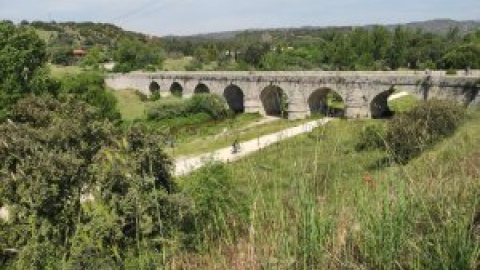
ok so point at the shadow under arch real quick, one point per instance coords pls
(235, 98)
(326, 102)
(154, 87)
(176, 89)
(201, 89)
(379, 108)
(274, 101)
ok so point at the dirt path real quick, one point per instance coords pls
(185, 165)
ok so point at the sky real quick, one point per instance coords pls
(184, 17)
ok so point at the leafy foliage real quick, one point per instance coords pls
(410, 133)
(54, 156)
(133, 55)
(22, 66)
(210, 104)
(462, 56)
(89, 87)
(371, 137)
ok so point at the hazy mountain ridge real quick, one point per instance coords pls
(437, 26)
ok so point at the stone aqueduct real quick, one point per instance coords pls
(363, 93)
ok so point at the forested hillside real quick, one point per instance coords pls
(101, 43)
(436, 44)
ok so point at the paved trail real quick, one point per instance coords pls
(185, 165)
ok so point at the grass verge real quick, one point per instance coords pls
(317, 203)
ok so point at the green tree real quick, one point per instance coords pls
(53, 156)
(93, 58)
(397, 53)
(61, 55)
(89, 87)
(22, 66)
(381, 40)
(462, 56)
(134, 55)
(254, 53)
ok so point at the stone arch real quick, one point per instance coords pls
(154, 87)
(274, 101)
(327, 102)
(379, 105)
(201, 88)
(176, 89)
(235, 98)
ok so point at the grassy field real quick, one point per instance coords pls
(403, 104)
(179, 64)
(314, 202)
(60, 71)
(206, 137)
(130, 104)
(239, 129)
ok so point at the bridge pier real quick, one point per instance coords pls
(297, 109)
(252, 106)
(357, 111)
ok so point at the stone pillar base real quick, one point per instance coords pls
(357, 113)
(253, 106)
(294, 115)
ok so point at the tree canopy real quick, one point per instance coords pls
(22, 66)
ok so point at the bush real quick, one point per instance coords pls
(89, 88)
(371, 137)
(167, 109)
(210, 104)
(143, 97)
(53, 153)
(409, 134)
(155, 96)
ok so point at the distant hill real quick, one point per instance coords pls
(437, 26)
(441, 26)
(82, 34)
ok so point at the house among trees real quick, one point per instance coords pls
(79, 53)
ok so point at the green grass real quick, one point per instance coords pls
(179, 64)
(316, 203)
(61, 71)
(403, 104)
(46, 35)
(223, 135)
(130, 105)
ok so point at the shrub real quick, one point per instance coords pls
(53, 153)
(167, 109)
(89, 88)
(410, 133)
(371, 137)
(210, 104)
(141, 95)
(155, 96)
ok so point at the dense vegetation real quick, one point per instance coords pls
(211, 105)
(343, 48)
(371, 48)
(325, 205)
(84, 191)
(101, 42)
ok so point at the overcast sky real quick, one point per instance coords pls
(181, 17)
